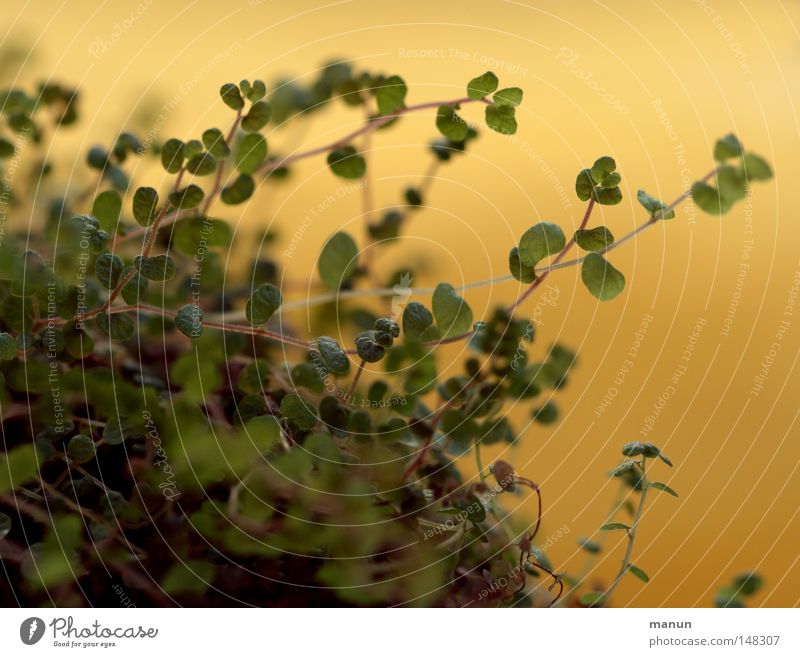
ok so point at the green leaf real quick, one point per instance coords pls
(728, 598)
(727, 148)
(6, 150)
(608, 196)
(333, 355)
(756, 168)
(198, 377)
(450, 124)
(8, 347)
(345, 162)
(732, 183)
(453, 314)
(584, 185)
(96, 157)
(231, 97)
(665, 459)
(594, 239)
(623, 468)
(264, 432)
(18, 466)
(56, 561)
(748, 584)
(191, 577)
(214, 141)
(81, 448)
(413, 196)
(634, 448)
(602, 280)
(482, 86)
(638, 572)
(108, 268)
(501, 118)
(602, 168)
(257, 117)
(510, 97)
(592, 599)
(189, 320)
(391, 95)
(519, 271)
(654, 206)
(156, 268)
(472, 507)
(708, 199)
(256, 92)
(600, 182)
(663, 487)
(546, 414)
(77, 342)
(540, 241)
(195, 235)
(368, 347)
(592, 547)
(135, 288)
(192, 147)
(338, 260)
(251, 153)
(203, 164)
(613, 526)
(417, 319)
(145, 201)
(611, 180)
(119, 326)
(107, 206)
(121, 428)
(189, 197)
(238, 191)
(172, 155)
(263, 303)
(17, 313)
(298, 412)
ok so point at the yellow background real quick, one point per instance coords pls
(716, 67)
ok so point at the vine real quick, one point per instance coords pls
(147, 410)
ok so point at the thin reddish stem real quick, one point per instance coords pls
(538, 280)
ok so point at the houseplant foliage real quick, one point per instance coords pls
(167, 430)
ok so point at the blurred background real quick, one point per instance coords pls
(708, 305)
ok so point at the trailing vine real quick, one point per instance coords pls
(167, 429)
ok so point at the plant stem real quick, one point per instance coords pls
(371, 125)
(626, 561)
(357, 376)
(510, 534)
(553, 266)
(175, 215)
(538, 280)
(381, 292)
(590, 558)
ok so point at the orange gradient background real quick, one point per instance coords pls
(652, 83)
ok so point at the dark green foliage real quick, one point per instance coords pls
(229, 449)
(338, 260)
(600, 183)
(251, 153)
(450, 124)
(345, 162)
(263, 303)
(257, 117)
(145, 201)
(483, 85)
(391, 94)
